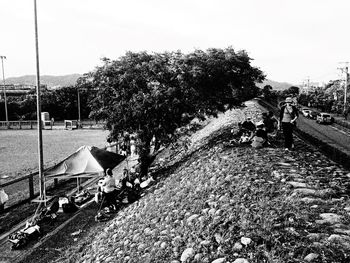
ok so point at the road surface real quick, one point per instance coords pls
(334, 134)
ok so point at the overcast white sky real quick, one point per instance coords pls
(288, 39)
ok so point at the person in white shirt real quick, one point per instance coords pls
(108, 188)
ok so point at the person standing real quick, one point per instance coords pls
(288, 117)
(132, 146)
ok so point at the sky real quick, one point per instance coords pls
(289, 40)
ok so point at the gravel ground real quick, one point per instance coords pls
(221, 203)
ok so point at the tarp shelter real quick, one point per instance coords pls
(87, 161)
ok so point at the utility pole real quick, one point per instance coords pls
(79, 119)
(5, 98)
(345, 70)
(38, 112)
(307, 85)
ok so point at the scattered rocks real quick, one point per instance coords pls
(192, 215)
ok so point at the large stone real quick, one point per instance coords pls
(342, 231)
(314, 236)
(341, 240)
(237, 246)
(329, 218)
(310, 200)
(246, 240)
(241, 260)
(297, 184)
(305, 191)
(187, 254)
(310, 257)
(219, 260)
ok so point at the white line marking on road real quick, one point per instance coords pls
(339, 130)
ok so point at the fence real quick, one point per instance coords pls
(18, 125)
(24, 189)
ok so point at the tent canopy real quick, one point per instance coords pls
(87, 161)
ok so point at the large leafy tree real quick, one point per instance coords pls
(154, 94)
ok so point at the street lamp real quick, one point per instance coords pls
(3, 78)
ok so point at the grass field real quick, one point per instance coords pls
(19, 148)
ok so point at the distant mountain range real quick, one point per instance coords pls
(50, 81)
(69, 80)
(275, 84)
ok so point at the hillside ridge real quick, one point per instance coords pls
(222, 203)
(49, 80)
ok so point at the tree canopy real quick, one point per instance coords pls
(154, 94)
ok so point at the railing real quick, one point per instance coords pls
(18, 125)
(24, 189)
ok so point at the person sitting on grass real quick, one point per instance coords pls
(245, 138)
(270, 122)
(260, 137)
(108, 188)
(246, 127)
(3, 199)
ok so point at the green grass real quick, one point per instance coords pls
(19, 148)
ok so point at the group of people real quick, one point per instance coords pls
(112, 193)
(257, 134)
(125, 145)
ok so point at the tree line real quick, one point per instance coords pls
(326, 99)
(60, 103)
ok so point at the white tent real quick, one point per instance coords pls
(87, 161)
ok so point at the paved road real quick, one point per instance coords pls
(331, 134)
(334, 135)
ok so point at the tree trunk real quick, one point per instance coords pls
(144, 154)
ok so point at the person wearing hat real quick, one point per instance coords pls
(288, 116)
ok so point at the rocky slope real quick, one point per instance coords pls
(217, 202)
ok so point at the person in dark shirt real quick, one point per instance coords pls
(270, 122)
(248, 125)
(243, 128)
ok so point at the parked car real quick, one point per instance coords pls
(324, 118)
(305, 112)
(313, 114)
